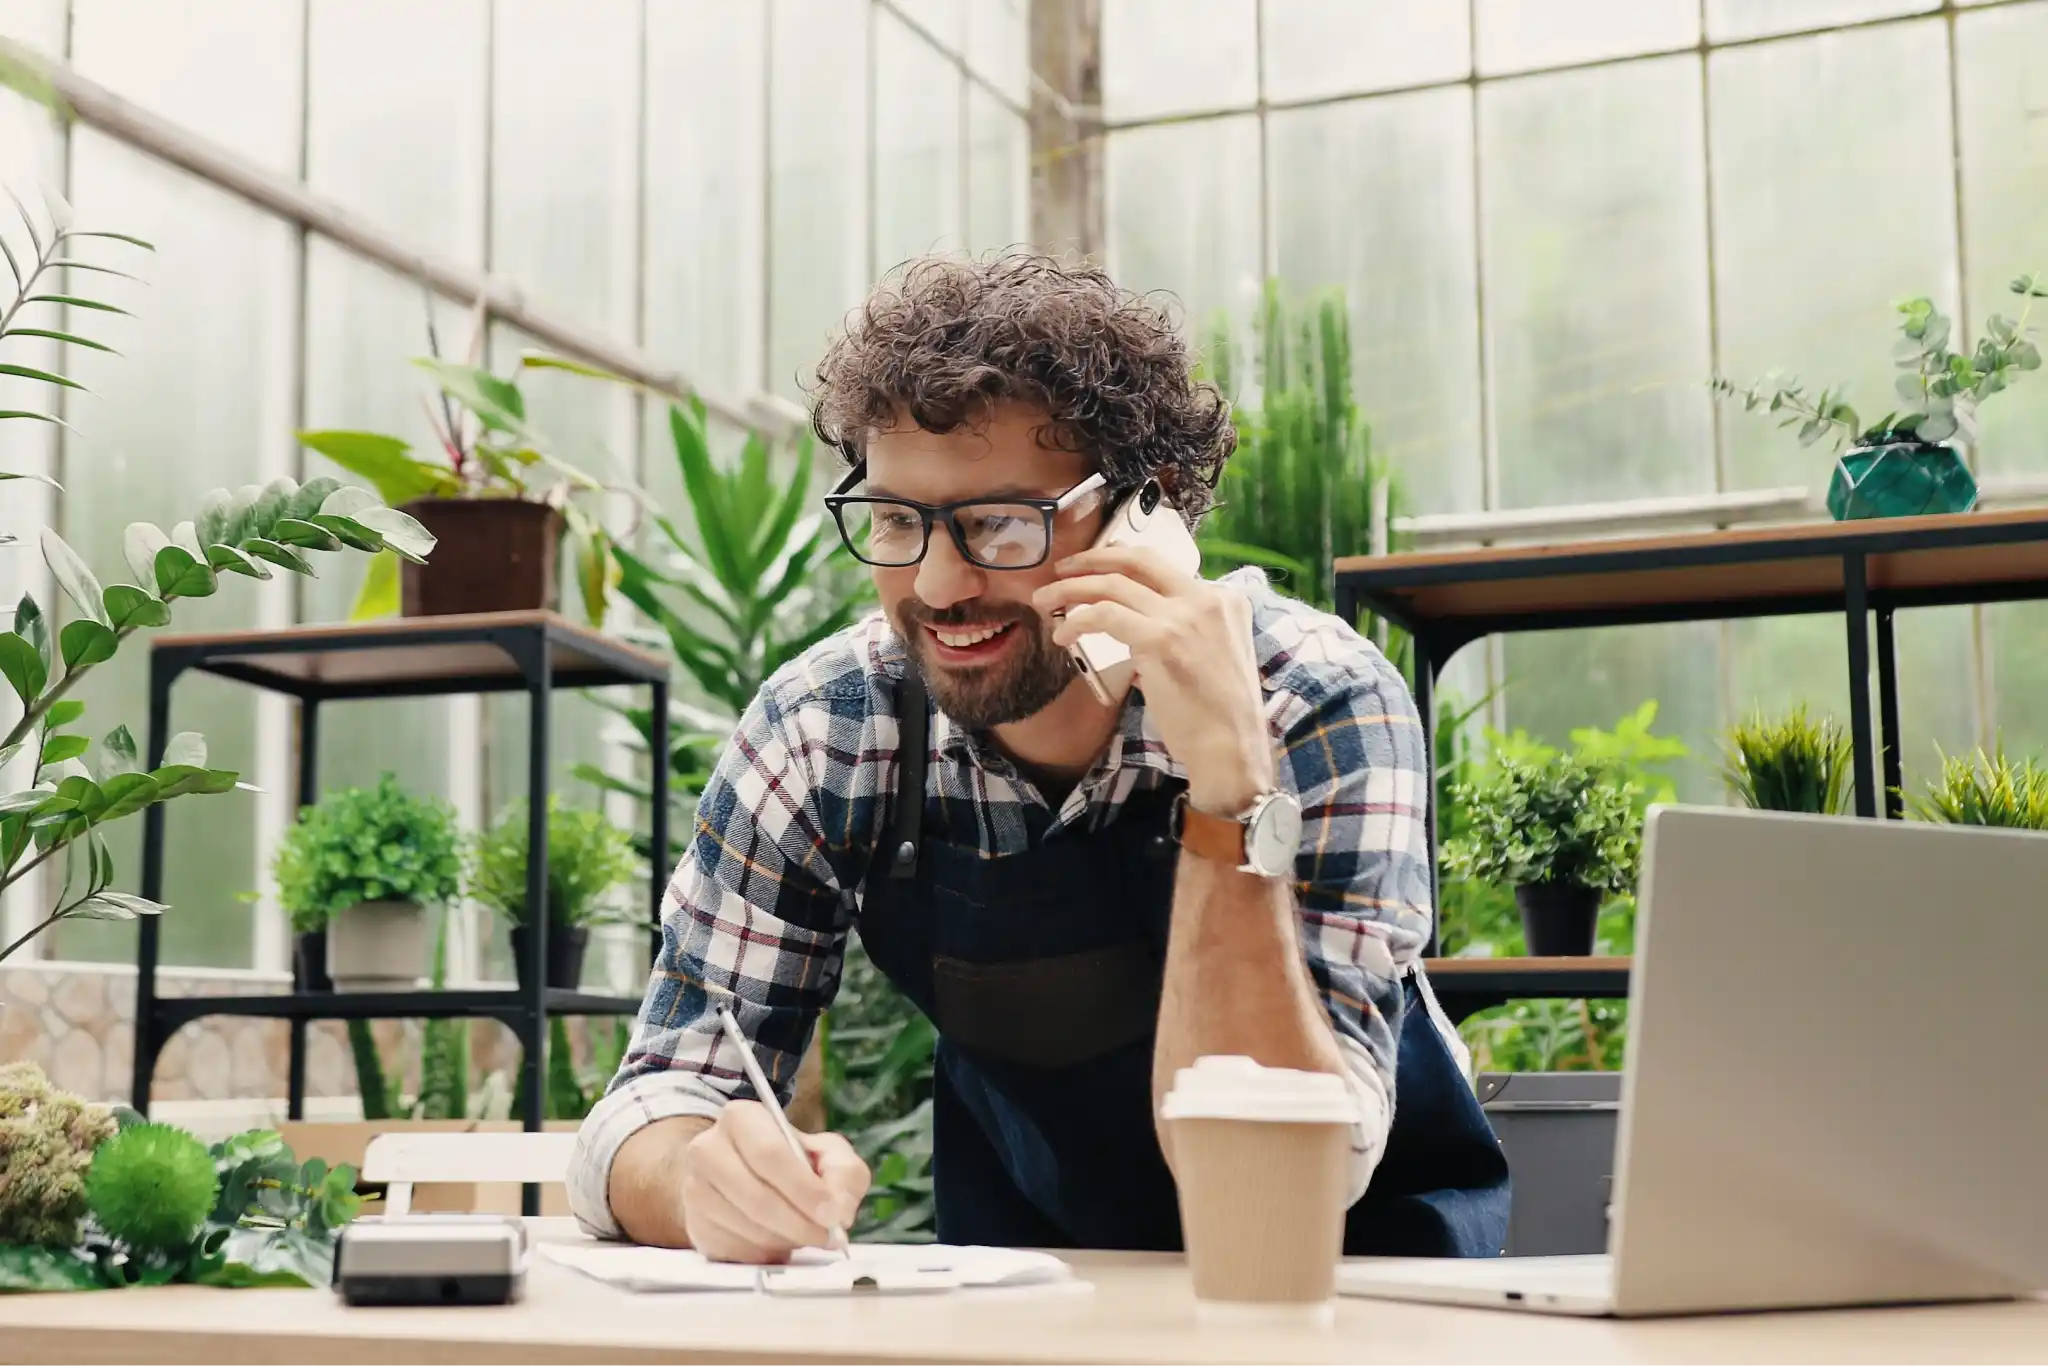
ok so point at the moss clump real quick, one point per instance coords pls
(47, 1141)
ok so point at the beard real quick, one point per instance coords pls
(1030, 675)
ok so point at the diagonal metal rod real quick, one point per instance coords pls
(96, 106)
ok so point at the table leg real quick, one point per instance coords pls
(309, 793)
(1888, 716)
(1856, 608)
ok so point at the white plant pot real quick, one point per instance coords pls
(378, 946)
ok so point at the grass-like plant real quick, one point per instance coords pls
(588, 858)
(367, 844)
(1792, 763)
(1987, 789)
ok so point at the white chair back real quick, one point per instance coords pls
(400, 1161)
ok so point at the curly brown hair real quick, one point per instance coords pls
(942, 339)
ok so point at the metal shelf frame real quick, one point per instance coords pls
(532, 652)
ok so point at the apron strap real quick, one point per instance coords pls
(906, 809)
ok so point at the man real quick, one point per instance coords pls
(940, 778)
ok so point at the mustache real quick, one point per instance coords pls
(913, 612)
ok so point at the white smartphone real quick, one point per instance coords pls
(1143, 517)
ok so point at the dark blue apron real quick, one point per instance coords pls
(1042, 973)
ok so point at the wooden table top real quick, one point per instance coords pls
(1793, 566)
(1137, 1308)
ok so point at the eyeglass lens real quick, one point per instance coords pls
(998, 535)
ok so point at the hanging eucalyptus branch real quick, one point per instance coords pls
(247, 532)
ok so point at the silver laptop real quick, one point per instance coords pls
(1834, 1091)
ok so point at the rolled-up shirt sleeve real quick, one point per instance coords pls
(754, 918)
(1357, 761)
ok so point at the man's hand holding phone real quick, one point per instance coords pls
(748, 1198)
(1190, 643)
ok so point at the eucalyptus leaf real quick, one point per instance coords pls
(347, 501)
(127, 793)
(59, 747)
(304, 535)
(23, 666)
(86, 643)
(311, 497)
(179, 575)
(140, 905)
(186, 747)
(402, 534)
(120, 752)
(129, 607)
(349, 532)
(280, 555)
(215, 511)
(30, 622)
(140, 545)
(26, 800)
(270, 506)
(225, 559)
(73, 576)
(100, 908)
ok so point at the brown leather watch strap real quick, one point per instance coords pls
(1220, 838)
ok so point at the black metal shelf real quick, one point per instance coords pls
(1447, 599)
(1465, 986)
(532, 652)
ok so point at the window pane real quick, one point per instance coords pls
(944, 20)
(1521, 35)
(818, 253)
(998, 173)
(705, 182)
(2018, 646)
(1596, 291)
(1317, 48)
(1806, 266)
(917, 151)
(1171, 56)
(1735, 19)
(1375, 197)
(999, 46)
(1183, 215)
(199, 399)
(2003, 99)
(1558, 680)
(381, 71)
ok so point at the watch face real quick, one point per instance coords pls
(1273, 836)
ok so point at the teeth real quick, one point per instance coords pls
(960, 640)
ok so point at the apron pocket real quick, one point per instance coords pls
(1049, 1012)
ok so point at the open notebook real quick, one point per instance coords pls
(872, 1268)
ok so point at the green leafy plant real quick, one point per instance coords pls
(1301, 488)
(246, 532)
(151, 1186)
(1793, 763)
(1941, 387)
(367, 844)
(1987, 789)
(47, 1141)
(151, 1205)
(588, 859)
(749, 580)
(444, 1050)
(1570, 820)
(489, 448)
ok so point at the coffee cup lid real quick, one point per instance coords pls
(1230, 1087)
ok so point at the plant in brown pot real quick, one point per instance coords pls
(500, 499)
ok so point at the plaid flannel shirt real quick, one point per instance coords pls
(760, 906)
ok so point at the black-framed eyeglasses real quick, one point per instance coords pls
(994, 533)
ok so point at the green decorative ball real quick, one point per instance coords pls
(152, 1186)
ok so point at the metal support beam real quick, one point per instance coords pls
(1856, 612)
(1888, 716)
(1066, 126)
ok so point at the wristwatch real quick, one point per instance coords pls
(1262, 841)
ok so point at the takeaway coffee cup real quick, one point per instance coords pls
(1261, 1155)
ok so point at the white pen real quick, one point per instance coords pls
(766, 1093)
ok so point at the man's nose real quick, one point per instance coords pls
(946, 576)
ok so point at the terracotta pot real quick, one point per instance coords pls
(494, 555)
(1558, 918)
(378, 946)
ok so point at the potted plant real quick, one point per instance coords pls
(1903, 464)
(589, 858)
(500, 499)
(1792, 764)
(1563, 833)
(1987, 789)
(367, 862)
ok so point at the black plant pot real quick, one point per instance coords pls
(1558, 918)
(311, 949)
(565, 955)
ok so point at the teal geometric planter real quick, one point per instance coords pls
(1904, 479)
